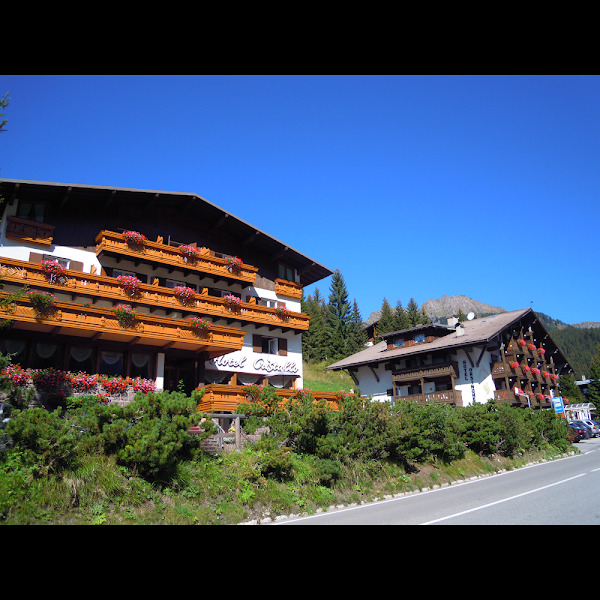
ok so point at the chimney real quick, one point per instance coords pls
(452, 321)
(460, 330)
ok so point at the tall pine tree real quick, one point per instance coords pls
(313, 340)
(594, 386)
(387, 319)
(357, 335)
(337, 318)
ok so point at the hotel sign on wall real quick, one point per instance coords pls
(262, 364)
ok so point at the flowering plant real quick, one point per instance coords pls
(530, 394)
(521, 342)
(531, 347)
(43, 302)
(143, 385)
(282, 312)
(48, 379)
(54, 270)
(199, 323)
(536, 371)
(134, 238)
(184, 294)
(16, 374)
(189, 252)
(129, 283)
(554, 376)
(252, 391)
(545, 374)
(513, 364)
(232, 301)
(234, 263)
(541, 351)
(82, 381)
(539, 396)
(526, 368)
(125, 314)
(115, 384)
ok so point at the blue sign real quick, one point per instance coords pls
(558, 405)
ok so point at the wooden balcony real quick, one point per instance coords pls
(283, 287)
(501, 369)
(445, 369)
(116, 244)
(101, 323)
(226, 398)
(28, 231)
(444, 397)
(94, 287)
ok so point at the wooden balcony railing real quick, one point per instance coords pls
(443, 397)
(283, 287)
(29, 231)
(110, 242)
(99, 286)
(101, 323)
(226, 398)
(426, 371)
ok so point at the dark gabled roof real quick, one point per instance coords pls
(433, 327)
(475, 332)
(310, 270)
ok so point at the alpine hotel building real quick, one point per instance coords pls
(216, 300)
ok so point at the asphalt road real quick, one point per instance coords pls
(565, 491)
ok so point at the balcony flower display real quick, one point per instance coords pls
(43, 302)
(16, 374)
(140, 384)
(130, 284)
(199, 324)
(539, 396)
(48, 379)
(135, 238)
(526, 368)
(282, 312)
(521, 342)
(82, 382)
(125, 314)
(531, 347)
(234, 263)
(232, 302)
(252, 392)
(554, 377)
(513, 364)
(115, 385)
(190, 253)
(545, 375)
(535, 371)
(54, 271)
(184, 294)
(541, 351)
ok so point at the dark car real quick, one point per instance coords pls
(574, 433)
(583, 429)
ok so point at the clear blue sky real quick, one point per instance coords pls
(412, 186)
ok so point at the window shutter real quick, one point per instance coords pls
(282, 347)
(257, 343)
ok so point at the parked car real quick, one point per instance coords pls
(584, 429)
(593, 426)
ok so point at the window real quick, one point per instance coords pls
(270, 303)
(420, 337)
(269, 345)
(32, 211)
(398, 342)
(111, 363)
(61, 261)
(286, 272)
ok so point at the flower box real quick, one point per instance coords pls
(43, 302)
(282, 312)
(130, 284)
(513, 364)
(184, 294)
(135, 239)
(190, 253)
(125, 314)
(232, 302)
(54, 271)
(234, 263)
(199, 324)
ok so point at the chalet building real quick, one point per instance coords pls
(216, 300)
(508, 356)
